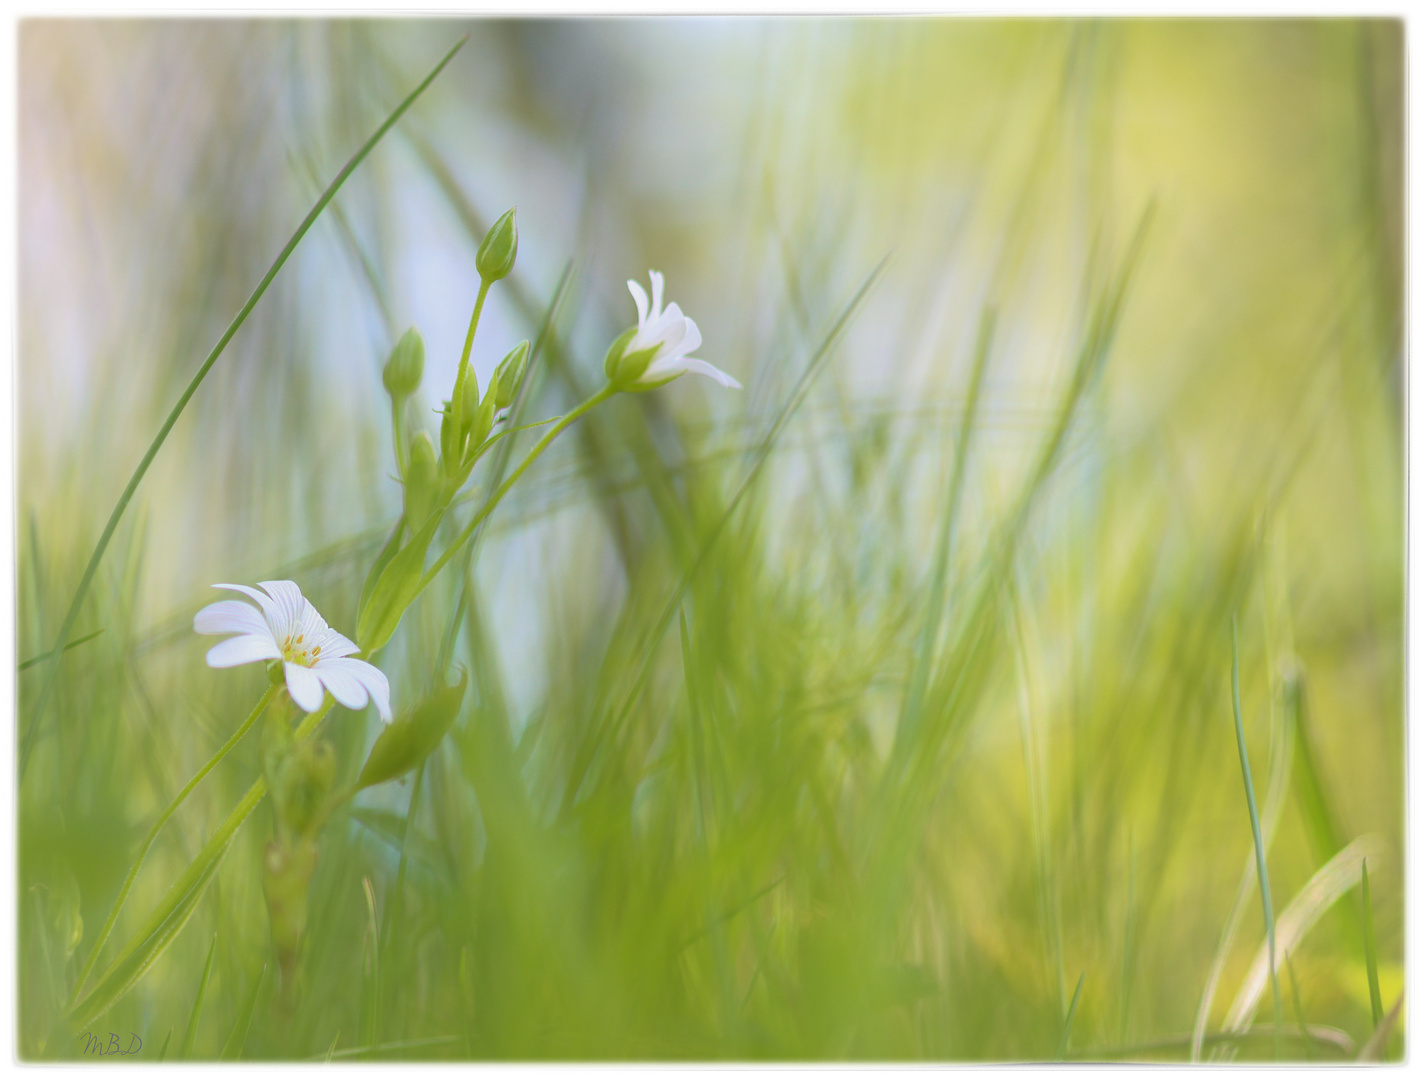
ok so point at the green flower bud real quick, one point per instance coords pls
(624, 368)
(421, 477)
(466, 397)
(451, 442)
(509, 374)
(406, 366)
(499, 249)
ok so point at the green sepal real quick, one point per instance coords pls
(623, 369)
(382, 560)
(642, 387)
(613, 359)
(413, 737)
(397, 588)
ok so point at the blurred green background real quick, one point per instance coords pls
(939, 730)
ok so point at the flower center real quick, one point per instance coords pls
(294, 651)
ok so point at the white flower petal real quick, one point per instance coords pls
(672, 331)
(230, 617)
(262, 599)
(344, 686)
(304, 687)
(692, 341)
(701, 367)
(661, 369)
(368, 675)
(288, 606)
(242, 650)
(639, 297)
(656, 293)
(334, 644)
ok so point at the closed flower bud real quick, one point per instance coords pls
(420, 481)
(451, 442)
(466, 397)
(499, 249)
(406, 366)
(509, 374)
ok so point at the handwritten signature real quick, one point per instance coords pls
(94, 1044)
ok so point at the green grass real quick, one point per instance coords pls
(840, 718)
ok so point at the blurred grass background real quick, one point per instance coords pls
(941, 722)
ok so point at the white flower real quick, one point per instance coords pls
(673, 335)
(289, 629)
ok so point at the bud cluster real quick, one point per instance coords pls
(432, 473)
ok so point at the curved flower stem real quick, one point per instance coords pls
(493, 501)
(199, 870)
(474, 325)
(153, 832)
(397, 429)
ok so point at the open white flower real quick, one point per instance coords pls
(289, 629)
(674, 337)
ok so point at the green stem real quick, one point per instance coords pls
(202, 863)
(533, 455)
(27, 740)
(397, 428)
(153, 832)
(473, 325)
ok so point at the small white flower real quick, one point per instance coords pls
(673, 335)
(289, 629)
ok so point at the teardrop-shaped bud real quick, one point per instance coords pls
(509, 374)
(499, 249)
(406, 366)
(421, 479)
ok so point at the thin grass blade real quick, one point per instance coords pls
(191, 1034)
(1371, 950)
(1323, 890)
(232, 1050)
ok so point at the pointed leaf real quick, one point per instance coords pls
(397, 588)
(413, 737)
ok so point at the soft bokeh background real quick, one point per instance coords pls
(824, 825)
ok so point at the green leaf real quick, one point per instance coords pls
(413, 737)
(132, 967)
(396, 589)
(382, 560)
(1370, 950)
(32, 661)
